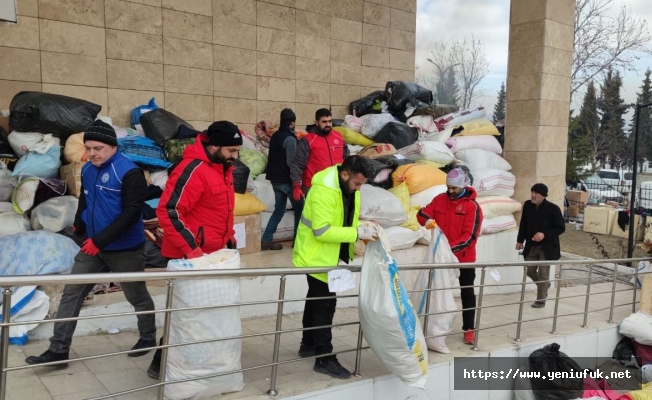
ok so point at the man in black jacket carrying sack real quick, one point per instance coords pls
(541, 224)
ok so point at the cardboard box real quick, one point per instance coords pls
(577, 196)
(248, 233)
(599, 220)
(573, 210)
(71, 173)
(639, 229)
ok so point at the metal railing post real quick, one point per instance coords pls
(166, 339)
(428, 292)
(520, 306)
(634, 289)
(4, 345)
(479, 311)
(554, 317)
(277, 338)
(613, 294)
(588, 296)
(358, 354)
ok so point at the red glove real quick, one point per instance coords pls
(297, 193)
(196, 253)
(90, 248)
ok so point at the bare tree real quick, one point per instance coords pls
(605, 40)
(459, 69)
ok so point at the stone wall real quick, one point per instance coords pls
(205, 60)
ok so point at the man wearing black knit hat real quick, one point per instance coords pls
(109, 218)
(282, 147)
(541, 224)
(196, 208)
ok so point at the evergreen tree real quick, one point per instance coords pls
(612, 108)
(499, 108)
(585, 138)
(448, 91)
(645, 120)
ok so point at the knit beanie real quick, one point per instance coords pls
(101, 132)
(540, 188)
(224, 133)
(287, 116)
(457, 178)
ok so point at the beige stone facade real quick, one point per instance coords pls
(242, 60)
(538, 95)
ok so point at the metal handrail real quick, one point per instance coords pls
(170, 277)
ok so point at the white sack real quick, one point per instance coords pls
(424, 123)
(495, 206)
(27, 304)
(388, 320)
(6, 186)
(159, 178)
(637, 326)
(381, 206)
(460, 117)
(441, 301)
(24, 142)
(484, 142)
(497, 224)
(441, 136)
(493, 182)
(354, 123)
(55, 214)
(195, 325)
(476, 159)
(402, 238)
(373, 123)
(431, 151)
(425, 197)
(12, 223)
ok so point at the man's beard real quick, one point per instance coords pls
(219, 159)
(324, 131)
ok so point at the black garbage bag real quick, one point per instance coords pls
(5, 148)
(153, 256)
(240, 176)
(624, 353)
(382, 174)
(161, 125)
(51, 113)
(369, 104)
(397, 134)
(393, 160)
(184, 132)
(550, 360)
(338, 122)
(398, 93)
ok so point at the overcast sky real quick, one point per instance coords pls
(445, 20)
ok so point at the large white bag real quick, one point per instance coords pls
(27, 304)
(484, 142)
(460, 117)
(24, 142)
(441, 136)
(637, 326)
(402, 238)
(373, 123)
(187, 326)
(424, 123)
(5, 183)
(441, 301)
(432, 151)
(493, 182)
(497, 224)
(476, 159)
(12, 223)
(388, 320)
(55, 214)
(495, 206)
(425, 197)
(42, 165)
(381, 206)
(159, 178)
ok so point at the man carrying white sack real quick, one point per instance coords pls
(541, 225)
(328, 228)
(459, 217)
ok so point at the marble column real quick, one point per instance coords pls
(538, 94)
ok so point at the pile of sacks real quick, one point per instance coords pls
(412, 145)
(41, 160)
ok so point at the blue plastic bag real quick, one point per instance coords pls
(144, 152)
(137, 112)
(39, 165)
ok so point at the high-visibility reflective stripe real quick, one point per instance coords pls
(316, 232)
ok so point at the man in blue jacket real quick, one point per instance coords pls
(109, 220)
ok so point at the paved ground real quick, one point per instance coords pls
(107, 376)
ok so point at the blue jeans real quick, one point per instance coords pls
(282, 192)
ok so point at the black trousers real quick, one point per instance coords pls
(318, 313)
(467, 277)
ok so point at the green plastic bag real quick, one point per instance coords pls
(255, 160)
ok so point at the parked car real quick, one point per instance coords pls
(599, 190)
(613, 178)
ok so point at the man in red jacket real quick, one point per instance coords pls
(459, 217)
(196, 208)
(323, 147)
